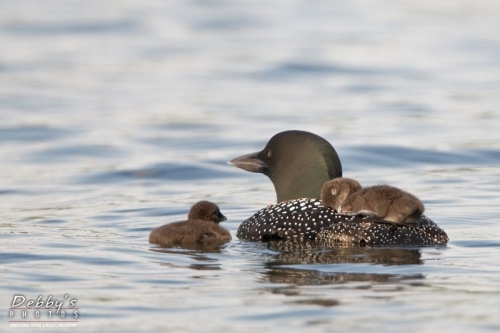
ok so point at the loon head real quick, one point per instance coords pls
(297, 162)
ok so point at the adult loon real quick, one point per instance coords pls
(298, 164)
(200, 231)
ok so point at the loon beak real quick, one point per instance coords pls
(250, 162)
(222, 218)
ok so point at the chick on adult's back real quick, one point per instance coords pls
(389, 203)
(200, 231)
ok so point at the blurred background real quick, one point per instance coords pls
(116, 116)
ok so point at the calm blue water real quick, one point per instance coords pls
(116, 116)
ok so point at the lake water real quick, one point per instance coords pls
(116, 116)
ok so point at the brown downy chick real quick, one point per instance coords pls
(386, 202)
(200, 231)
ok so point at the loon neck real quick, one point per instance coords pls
(304, 180)
(300, 165)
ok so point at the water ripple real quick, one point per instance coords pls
(32, 133)
(162, 171)
(124, 26)
(396, 156)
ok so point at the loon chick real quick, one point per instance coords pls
(200, 231)
(298, 164)
(386, 202)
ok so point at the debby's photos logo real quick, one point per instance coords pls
(43, 311)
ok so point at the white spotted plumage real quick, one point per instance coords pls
(289, 219)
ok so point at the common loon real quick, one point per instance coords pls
(298, 164)
(386, 202)
(200, 231)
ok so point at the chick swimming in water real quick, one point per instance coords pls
(386, 202)
(200, 231)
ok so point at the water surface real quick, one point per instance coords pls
(118, 116)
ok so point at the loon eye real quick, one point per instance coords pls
(269, 154)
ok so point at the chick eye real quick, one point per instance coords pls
(269, 154)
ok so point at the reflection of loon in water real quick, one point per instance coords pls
(311, 252)
(301, 277)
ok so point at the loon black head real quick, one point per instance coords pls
(297, 162)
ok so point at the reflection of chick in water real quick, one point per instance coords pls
(389, 203)
(200, 231)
